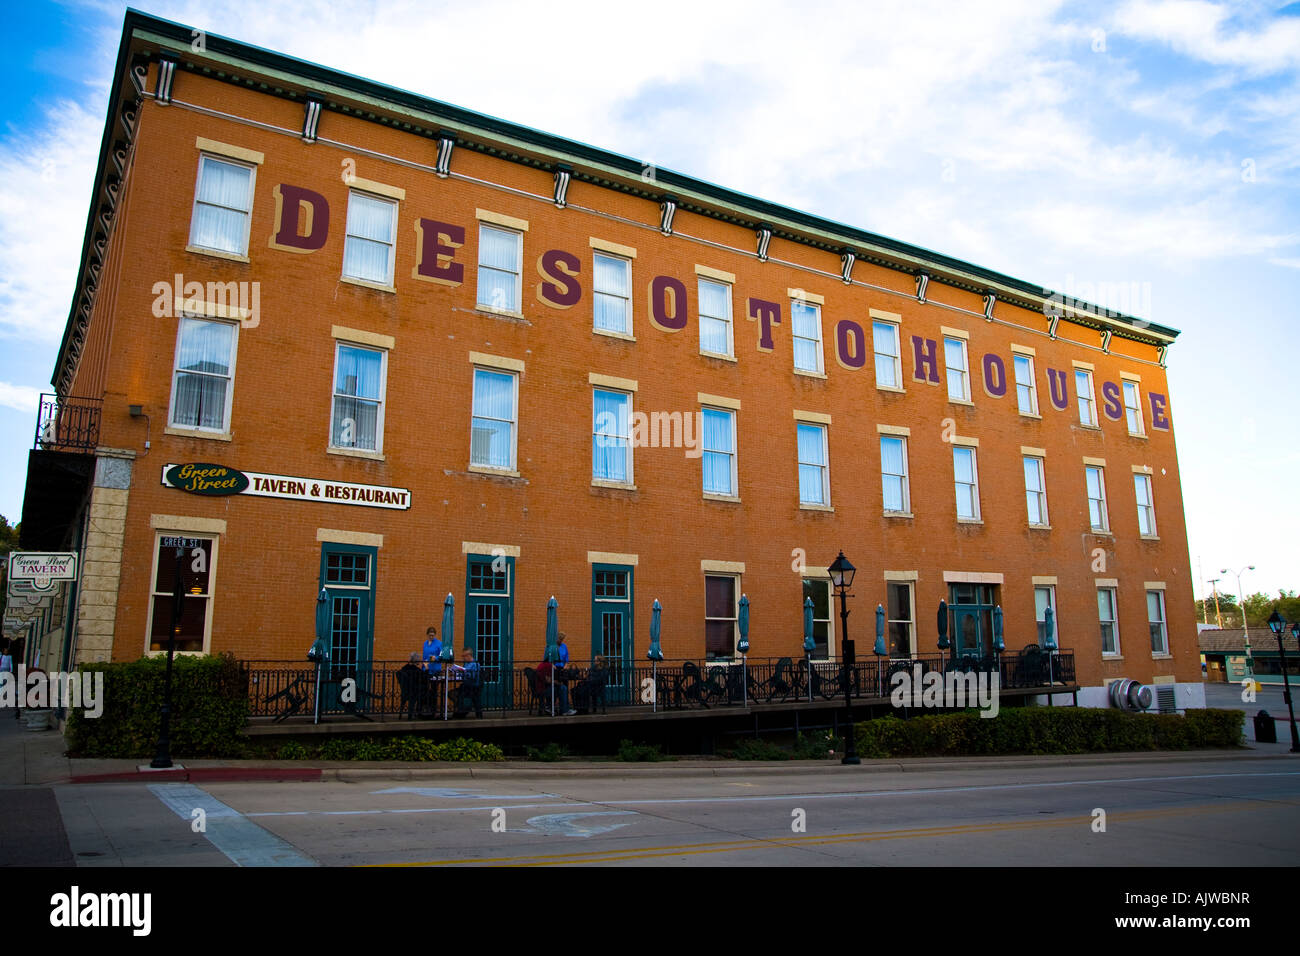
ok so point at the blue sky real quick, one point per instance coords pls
(1149, 144)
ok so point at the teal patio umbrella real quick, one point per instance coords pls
(743, 647)
(809, 645)
(448, 645)
(320, 648)
(943, 629)
(552, 641)
(880, 648)
(655, 653)
(1049, 642)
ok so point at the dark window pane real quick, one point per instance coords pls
(193, 616)
(719, 638)
(719, 597)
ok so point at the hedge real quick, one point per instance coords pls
(209, 709)
(1047, 730)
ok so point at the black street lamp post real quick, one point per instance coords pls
(1278, 626)
(842, 572)
(162, 757)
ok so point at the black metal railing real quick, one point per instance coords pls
(67, 424)
(390, 689)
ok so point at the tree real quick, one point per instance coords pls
(8, 542)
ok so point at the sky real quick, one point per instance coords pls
(1151, 147)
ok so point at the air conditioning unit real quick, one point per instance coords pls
(1128, 694)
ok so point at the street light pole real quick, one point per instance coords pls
(162, 756)
(1245, 629)
(1278, 627)
(842, 572)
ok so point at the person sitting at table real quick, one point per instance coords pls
(592, 687)
(471, 685)
(546, 683)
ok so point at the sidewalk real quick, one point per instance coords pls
(37, 758)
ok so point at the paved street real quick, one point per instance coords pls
(1166, 813)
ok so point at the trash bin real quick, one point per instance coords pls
(1265, 728)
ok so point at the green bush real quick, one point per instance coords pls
(636, 753)
(1047, 730)
(209, 709)
(551, 753)
(759, 750)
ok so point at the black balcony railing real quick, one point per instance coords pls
(67, 424)
(381, 689)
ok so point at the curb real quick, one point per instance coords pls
(614, 770)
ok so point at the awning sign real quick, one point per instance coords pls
(43, 569)
(300, 489)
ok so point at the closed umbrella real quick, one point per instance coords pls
(743, 647)
(552, 641)
(880, 648)
(1049, 642)
(809, 645)
(655, 653)
(943, 629)
(999, 645)
(319, 652)
(448, 645)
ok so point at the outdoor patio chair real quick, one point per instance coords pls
(536, 696)
(780, 681)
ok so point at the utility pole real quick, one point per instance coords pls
(1218, 618)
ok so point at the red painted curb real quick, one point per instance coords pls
(215, 774)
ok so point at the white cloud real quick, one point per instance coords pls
(1200, 30)
(22, 398)
(45, 183)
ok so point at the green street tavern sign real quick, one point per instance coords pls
(202, 478)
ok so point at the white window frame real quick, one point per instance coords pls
(1104, 527)
(1089, 401)
(159, 534)
(335, 395)
(631, 478)
(974, 485)
(911, 623)
(205, 157)
(1040, 492)
(1141, 480)
(1133, 411)
(701, 282)
(597, 255)
(512, 467)
(963, 370)
(825, 467)
(905, 479)
(1039, 621)
(735, 613)
(515, 308)
(230, 385)
(1031, 387)
(829, 621)
(387, 280)
(795, 337)
(1163, 621)
(734, 453)
(897, 357)
(1113, 622)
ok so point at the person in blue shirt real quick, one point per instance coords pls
(471, 686)
(563, 650)
(432, 657)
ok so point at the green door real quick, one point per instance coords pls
(971, 608)
(489, 624)
(611, 627)
(348, 577)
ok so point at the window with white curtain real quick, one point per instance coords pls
(611, 436)
(715, 317)
(1026, 385)
(889, 371)
(204, 374)
(1109, 620)
(1146, 506)
(357, 417)
(719, 457)
(1156, 622)
(966, 482)
(1087, 401)
(806, 328)
(893, 474)
(954, 357)
(612, 294)
(1035, 491)
(1098, 519)
(1133, 408)
(492, 433)
(223, 203)
(814, 470)
(371, 236)
(1045, 597)
(500, 264)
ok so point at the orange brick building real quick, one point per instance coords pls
(410, 350)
